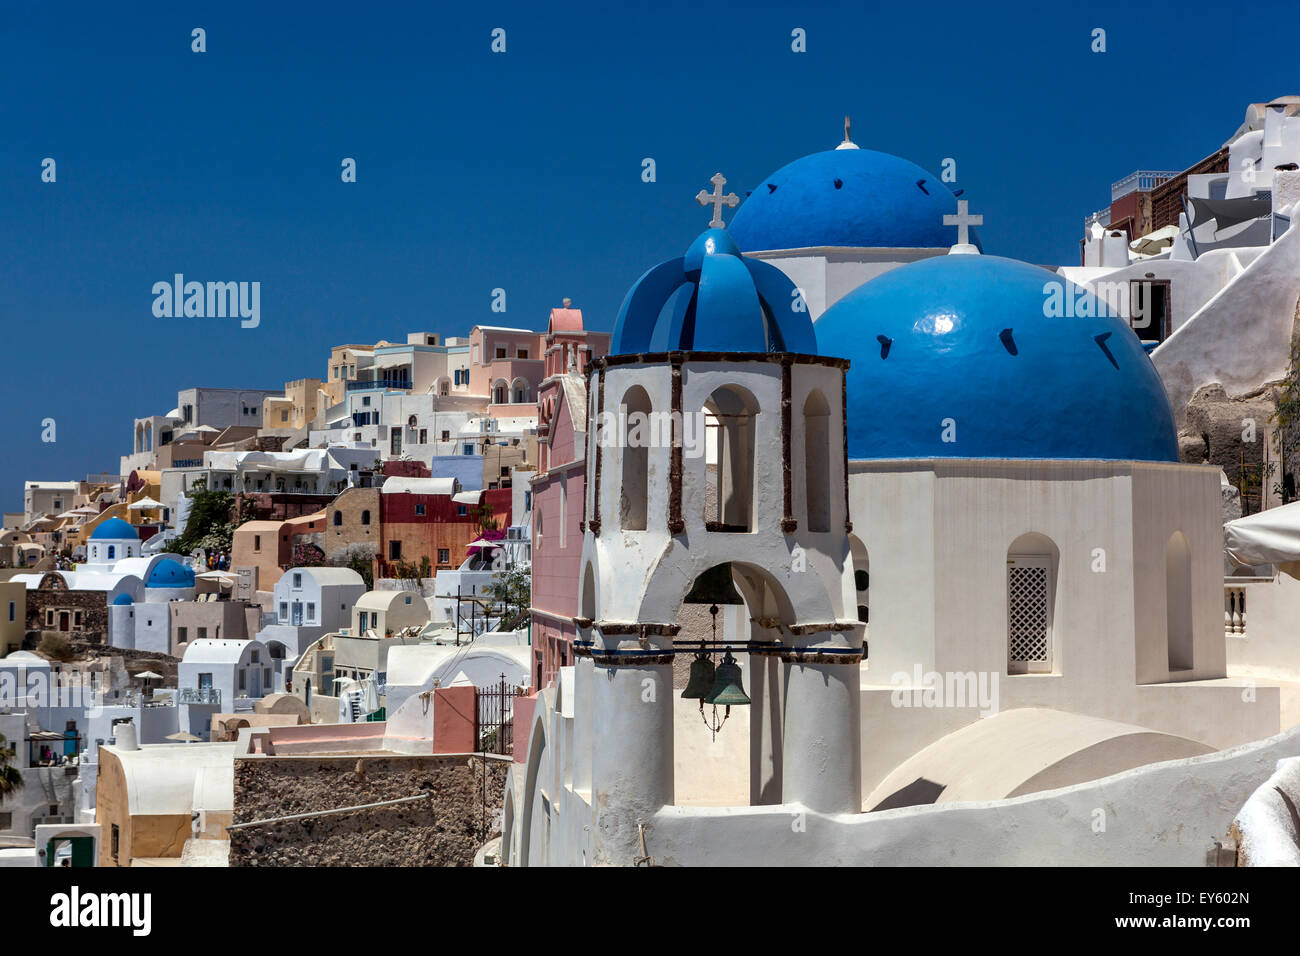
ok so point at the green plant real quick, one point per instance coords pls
(512, 589)
(209, 526)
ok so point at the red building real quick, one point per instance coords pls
(432, 518)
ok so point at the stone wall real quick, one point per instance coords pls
(443, 830)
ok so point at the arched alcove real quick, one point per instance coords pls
(817, 461)
(730, 418)
(634, 494)
(1178, 602)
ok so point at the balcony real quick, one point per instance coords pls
(200, 695)
(1142, 181)
(378, 384)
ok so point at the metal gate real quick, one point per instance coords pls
(496, 717)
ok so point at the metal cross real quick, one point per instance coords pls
(717, 200)
(963, 221)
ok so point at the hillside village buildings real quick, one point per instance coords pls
(846, 515)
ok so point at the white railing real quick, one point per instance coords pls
(1234, 610)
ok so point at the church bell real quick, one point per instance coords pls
(701, 682)
(714, 586)
(727, 687)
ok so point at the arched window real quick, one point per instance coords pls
(112, 551)
(861, 578)
(589, 593)
(1178, 602)
(817, 461)
(365, 516)
(633, 497)
(1032, 561)
(729, 419)
(338, 518)
(520, 387)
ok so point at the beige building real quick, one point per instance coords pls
(152, 800)
(13, 614)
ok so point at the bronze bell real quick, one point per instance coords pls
(714, 586)
(727, 686)
(701, 682)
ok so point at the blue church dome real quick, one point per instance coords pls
(713, 299)
(123, 599)
(1024, 363)
(847, 197)
(170, 574)
(115, 529)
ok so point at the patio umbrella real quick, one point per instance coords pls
(183, 736)
(149, 675)
(145, 504)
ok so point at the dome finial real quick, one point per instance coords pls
(717, 200)
(848, 143)
(963, 220)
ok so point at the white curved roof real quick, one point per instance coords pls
(214, 651)
(178, 778)
(419, 665)
(421, 486)
(383, 600)
(325, 576)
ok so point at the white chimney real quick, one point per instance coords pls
(127, 738)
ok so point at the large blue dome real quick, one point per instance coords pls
(977, 339)
(115, 529)
(847, 197)
(170, 574)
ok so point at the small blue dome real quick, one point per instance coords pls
(720, 302)
(988, 343)
(115, 529)
(847, 197)
(170, 574)
(123, 599)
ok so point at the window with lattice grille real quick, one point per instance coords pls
(1029, 614)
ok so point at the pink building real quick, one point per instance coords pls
(558, 489)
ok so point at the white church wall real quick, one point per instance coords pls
(938, 535)
(1166, 814)
(826, 275)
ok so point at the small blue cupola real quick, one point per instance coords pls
(713, 299)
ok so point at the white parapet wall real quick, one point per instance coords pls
(1167, 814)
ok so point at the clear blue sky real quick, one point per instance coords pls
(519, 170)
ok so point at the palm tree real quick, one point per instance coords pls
(11, 781)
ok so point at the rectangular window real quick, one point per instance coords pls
(203, 634)
(257, 543)
(76, 618)
(49, 618)
(1029, 614)
(242, 677)
(394, 550)
(257, 658)
(284, 610)
(116, 840)
(468, 450)
(462, 510)
(501, 351)
(444, 556)
(297, 580)
(311, 619)
(12, 607)
(182, 635)
(6, 821)
(284, 415)
(424, 436)
(521, 353)
(419, 509)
